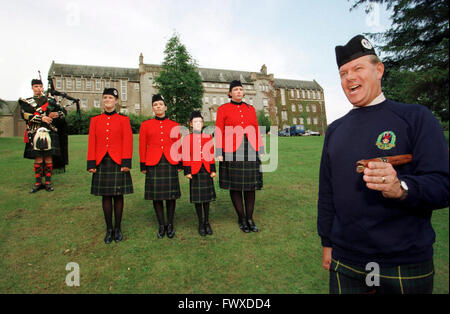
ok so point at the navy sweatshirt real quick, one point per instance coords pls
(360, 224)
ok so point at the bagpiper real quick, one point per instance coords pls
(41, 139)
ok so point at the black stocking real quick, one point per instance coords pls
(107, 210)
(249, 197)
(206, 211)
(236, 198)
(170, 204)
(118, 210)
(198, 209)
(159, 210)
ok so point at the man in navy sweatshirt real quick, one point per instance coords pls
(375, 226)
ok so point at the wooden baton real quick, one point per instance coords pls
(393, 160)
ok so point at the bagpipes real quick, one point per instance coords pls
(52, 91)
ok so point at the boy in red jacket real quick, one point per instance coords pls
(200, 168)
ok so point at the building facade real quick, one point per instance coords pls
(285, 102)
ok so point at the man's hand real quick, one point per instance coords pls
(47, 119)
(213, 174)
(144, 171)
(189, 176)
(326, 257)
(124, 169)
(93, 170)
(381, 176)
(220, 158)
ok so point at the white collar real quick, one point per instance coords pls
(377, 100)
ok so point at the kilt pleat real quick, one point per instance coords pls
(241, 170)
(201, 187)
(161, 181)
(109, 180)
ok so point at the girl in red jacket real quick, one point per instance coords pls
(200, 168)
(160, 162)
(109, 155)
(238, 147)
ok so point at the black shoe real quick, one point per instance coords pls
(208, 229)
(49, 188)
(170, 231)
(36, 188)
(118, 235)
(201, 229)
(243, 225)
(161, 231)
(252, 226)
(109, 237)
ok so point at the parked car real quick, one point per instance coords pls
(311, 133)
(297, 130)
(284, 132)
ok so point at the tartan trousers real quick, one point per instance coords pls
(402, 279)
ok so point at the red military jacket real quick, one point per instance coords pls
(198, 150)
(157, 137)
(233, 121)
(110, 133)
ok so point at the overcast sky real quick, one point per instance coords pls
(295, 39)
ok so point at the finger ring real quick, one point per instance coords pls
(384, 180)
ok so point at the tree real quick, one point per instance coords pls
(416, 52)
(179, 82)
(263, 120)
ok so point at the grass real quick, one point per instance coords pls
(41, 233)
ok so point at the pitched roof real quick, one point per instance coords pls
(293, 84)
(7, 107)
(57, 69)
(207, 75)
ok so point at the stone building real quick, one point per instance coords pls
(285, 102)
(11, 123)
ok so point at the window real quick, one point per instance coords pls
(96, 103)
(251, 101)
(298, 93)
(214, 114)
(307, 108)
(123, 88)
(294, 120)
(98, 85)
(313, 108)
(124, 110)
(84, 103)
(319, 95)
(292, 93)
(284, 115)
(293, 108)
(206, 100)
(302, 121)
(314, 94)
(136, 86)
(88, 84)
(137, 107)
(308, 121)
(283, 97)
(214, 100)
(78, 82)
(58, 83)
(315, 121)
(222, 100)
(68, 83)
(300, 108)
(303, 93)
(107, 84)
(309, 95)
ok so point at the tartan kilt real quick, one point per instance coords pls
(161, 181)
(109, 180)
(30, 153)
(201, 187)
(241, 170)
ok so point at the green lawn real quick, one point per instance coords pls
(41, 233)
